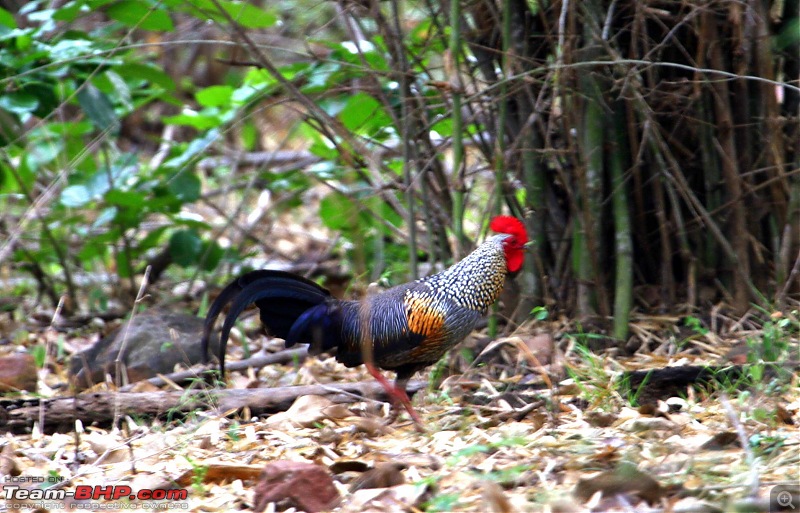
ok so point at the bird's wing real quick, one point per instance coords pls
(408, 322)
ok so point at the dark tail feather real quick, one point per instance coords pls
(227, 295)
(319, 326)
(281, 298)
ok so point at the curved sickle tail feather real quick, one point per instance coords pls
(227, 295)
(281, 298)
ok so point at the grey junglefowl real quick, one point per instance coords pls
(411, 325)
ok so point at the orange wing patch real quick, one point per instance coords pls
(424, 318)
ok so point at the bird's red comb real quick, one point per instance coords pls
(510, 225)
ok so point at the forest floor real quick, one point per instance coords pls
(541, 419)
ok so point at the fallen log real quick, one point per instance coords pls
(105, 407)
(298, 354)
(650, 386)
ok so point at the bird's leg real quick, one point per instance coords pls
(397, 395)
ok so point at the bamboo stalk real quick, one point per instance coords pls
(710, 249)
(459, 168)
(590, 214)
(500, 140)
(623, 241)
(738, 232)
(406, 119)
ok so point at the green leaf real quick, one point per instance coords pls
(194, 119)
(249, 135)
(75, 196)
(185, 186)
(69, 11)
(39, 352)
(789, 34)
(243, 13)
(106, 216)
(190, 221)
(318, 77)
(381, 209)
(67, 49)
(44, 92)
(7, 19)
(443, 127)
(124, 269)
(215, 96)
(43, 153)
(539, 313)
(121, 90)
(71, 129)
(185, 247)
(97, 107)
(443, 502)
(135, 13)
(122, 198)
(151, 240)
(195, 148)
(148, 72)
(92, 250)
(364, 114)
(212, 255)
(97, 4)
(19, 102)
(338, 212)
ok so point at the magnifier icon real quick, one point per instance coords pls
(784, 500)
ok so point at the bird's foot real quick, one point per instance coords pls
(396, 404)
(397, 397)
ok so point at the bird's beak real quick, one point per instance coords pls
(529, 244)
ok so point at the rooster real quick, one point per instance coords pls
(411, 326)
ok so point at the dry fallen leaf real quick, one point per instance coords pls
(109, 448)
(625, 480)
(8, 464)
(722, 441)
(305, 486)
(306, 411)
(384, 475)
(783, 415)
(495, 498)
(646, 424)
(372, 427)
(341, 466)
(600, 418)
(401, 498)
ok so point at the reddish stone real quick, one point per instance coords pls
(305, 486)
(17, 372)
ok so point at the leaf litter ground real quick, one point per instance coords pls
(530, 422)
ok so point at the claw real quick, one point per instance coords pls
(397, 397)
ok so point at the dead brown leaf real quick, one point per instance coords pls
(8, 464)
(306, 411)
(495, 498)
(341, 466)
(400, 499)
(721, 441)
(601, 418)
(625, 480)
(305, 486)
(784, 416)
(384, 475)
